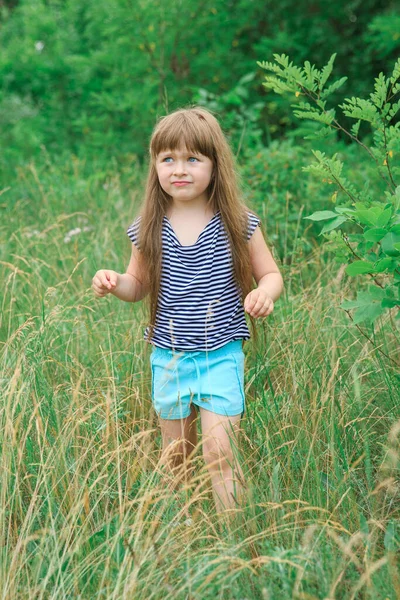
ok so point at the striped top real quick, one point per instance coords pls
(199, 306)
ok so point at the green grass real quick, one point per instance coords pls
(84, 512)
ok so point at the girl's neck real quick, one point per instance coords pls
(201, 210)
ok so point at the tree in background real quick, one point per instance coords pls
(91, 77)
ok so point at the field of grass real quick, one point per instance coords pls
(84, 512)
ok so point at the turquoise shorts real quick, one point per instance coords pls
(211, 379)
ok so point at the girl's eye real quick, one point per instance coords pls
(190, 159)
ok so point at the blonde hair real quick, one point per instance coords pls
(199, 131)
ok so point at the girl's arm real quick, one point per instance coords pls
(272, 283)
(132, 286)
(260, 302)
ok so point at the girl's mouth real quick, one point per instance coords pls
(179, 183)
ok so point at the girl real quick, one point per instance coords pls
(196, 249)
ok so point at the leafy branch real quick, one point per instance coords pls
(376, 250)
(310, 82)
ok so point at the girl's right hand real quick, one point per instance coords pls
(104, 282)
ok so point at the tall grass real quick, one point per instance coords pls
(85, 509)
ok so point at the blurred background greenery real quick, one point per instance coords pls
(91, 77)
(85, 81)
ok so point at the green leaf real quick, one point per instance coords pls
(391, 541)
(355, 128)
(322, 215)
(333, 87)
(282, 59)
(310, 72)
(344, 210)
(368, 304)
(390, 303)
(278, 86)
(384, 217)
(359, 267)
(368, 313)
(394, 109)
(388, 244)
(313, 115)
(379, 96)
(375, 216)
(322, 133)
(383, 264)
(396, 71)
(364, 217)
(375, 292)
(333, 224)
(326, 71)
(375, 234)
(348, 304)
(360, 206)
(358, 108)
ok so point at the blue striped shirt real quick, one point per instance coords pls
(199, 305)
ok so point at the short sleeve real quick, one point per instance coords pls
(252, 222)
(133, 232)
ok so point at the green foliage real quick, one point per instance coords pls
(272, 184)
(99, 78)
(383, 33)
(77, 76)
(241, 118)
(374, 248)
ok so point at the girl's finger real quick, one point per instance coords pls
(251, 304)
(258, 305)
(98, 287)
(112, 279)
(269, 310)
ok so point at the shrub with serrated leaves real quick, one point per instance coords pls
(364, 226)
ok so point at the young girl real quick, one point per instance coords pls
(196, 249)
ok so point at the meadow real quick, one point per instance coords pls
(84, 509)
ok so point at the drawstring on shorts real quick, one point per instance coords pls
(191, 356)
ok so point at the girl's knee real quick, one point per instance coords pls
(176, 453)
(216, 456)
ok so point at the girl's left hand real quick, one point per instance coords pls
(258, 304)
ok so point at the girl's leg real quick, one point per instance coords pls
(179, 439)
(220, 440)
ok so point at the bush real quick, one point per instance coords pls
(372, 247)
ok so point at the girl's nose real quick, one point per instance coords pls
(180, 167)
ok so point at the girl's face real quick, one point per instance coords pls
(184, 175)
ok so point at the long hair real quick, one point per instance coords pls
(199, 131)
